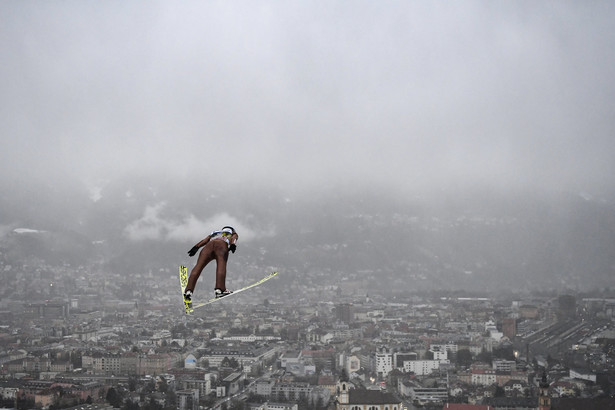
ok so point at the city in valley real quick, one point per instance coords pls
(72, 338)
(432, 181)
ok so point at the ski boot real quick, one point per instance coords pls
(222, 293)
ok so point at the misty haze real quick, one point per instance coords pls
(385, 156)
(448, 147)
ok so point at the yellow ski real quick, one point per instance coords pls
(183, 281)
(265, 279)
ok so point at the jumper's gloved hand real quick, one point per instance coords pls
(193, 251)
(232, 247)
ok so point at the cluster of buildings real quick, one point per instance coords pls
(82, 337)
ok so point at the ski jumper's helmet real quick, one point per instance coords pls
(228, 229)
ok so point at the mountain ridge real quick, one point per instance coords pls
(483, 240)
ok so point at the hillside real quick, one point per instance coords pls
(353, 239)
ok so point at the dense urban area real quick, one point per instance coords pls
(70, 338)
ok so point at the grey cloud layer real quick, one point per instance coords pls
(405, 92)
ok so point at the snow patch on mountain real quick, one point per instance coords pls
(26, 230)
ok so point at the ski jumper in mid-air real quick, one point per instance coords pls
(216, 246)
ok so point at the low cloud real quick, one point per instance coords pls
(155, 225)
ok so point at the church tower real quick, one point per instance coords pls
(544, 401)
(342, 393)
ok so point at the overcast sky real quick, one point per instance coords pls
(412, 93)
